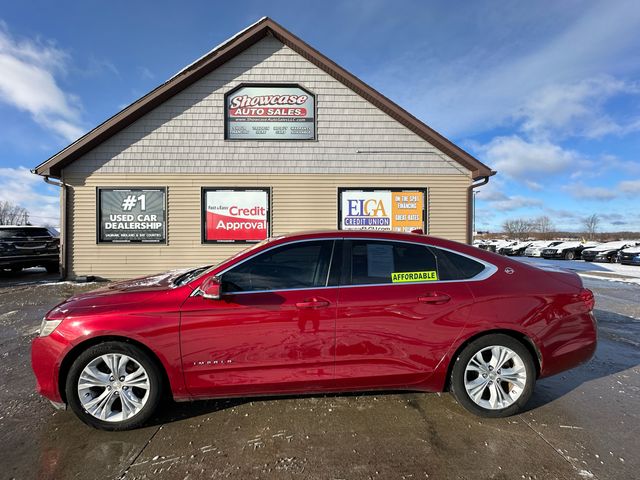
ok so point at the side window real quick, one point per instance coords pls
(452, 266)
(379, 262)
(299, 265)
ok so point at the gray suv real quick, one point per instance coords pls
(29, 246)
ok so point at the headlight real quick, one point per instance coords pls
(48, 326)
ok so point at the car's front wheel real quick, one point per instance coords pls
(114, 386)
(493, 376)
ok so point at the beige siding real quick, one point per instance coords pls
(180, 145)
(300, 202)
(186, 133)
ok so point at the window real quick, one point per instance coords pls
(452, 266)
(24, 233)
(376, 262)
(298, 265)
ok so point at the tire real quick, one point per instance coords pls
(570, 255)
(515, 399)
(52, 267)
(112, 415)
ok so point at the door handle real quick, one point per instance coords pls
(434, 298)
(313, 303)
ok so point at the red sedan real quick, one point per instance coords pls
(318, 312)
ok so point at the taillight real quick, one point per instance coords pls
(587, 297)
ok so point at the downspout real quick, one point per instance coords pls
(63, 224)
(470, 207)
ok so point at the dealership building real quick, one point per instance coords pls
(260, 137)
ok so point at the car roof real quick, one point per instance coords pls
(375, 234)
(20, 226)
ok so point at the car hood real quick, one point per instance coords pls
(631, 250)
(136, 290)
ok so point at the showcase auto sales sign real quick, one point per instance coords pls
(270, 112)
(236, 215)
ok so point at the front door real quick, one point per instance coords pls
(272, 330)
(396, 317)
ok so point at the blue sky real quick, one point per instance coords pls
(547, 93)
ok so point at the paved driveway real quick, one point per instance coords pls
(581, 424)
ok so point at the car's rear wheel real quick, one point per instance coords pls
(570, 255)
(114, 386)
(493, 376)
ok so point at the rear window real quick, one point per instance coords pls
(452, 266)
(6, 233)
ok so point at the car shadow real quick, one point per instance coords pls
(171, 411)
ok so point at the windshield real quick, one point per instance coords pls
(190, 275)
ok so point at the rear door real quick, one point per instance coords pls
(399, 311)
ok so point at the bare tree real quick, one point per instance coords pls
(544, 226)
(12, 214)
(591, 224)
(517, 228)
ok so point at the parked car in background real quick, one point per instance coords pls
(29, 246)
(318, 312)
(567, 250)
(502, 249)
(517, 249)
(607, 252)
(535, 249)
(629, 256)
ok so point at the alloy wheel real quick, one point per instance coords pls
(113, 387)
(495, 377)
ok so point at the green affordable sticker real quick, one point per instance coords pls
(428, 276)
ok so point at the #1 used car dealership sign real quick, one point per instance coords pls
(131, 215)
(270, 112)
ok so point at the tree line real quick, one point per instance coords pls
(544, 228)
(12, 214)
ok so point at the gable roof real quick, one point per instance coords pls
(224, 52)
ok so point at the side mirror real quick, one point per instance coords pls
(210, 288)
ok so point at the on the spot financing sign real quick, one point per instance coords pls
(270, 112)
(392, 210)
(236, 215)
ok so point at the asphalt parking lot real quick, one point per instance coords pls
(580, 424)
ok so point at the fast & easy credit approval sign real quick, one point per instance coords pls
(235, 215)
(392, 210)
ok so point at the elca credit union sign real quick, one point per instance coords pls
(397, 210)
(131, 215)
(270, 112)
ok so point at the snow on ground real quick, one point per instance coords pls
(605, 271)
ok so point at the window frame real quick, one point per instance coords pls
(287, 244)
(340, 246)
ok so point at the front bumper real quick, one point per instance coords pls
(29, 260)
(46, 357)
(552, 255)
